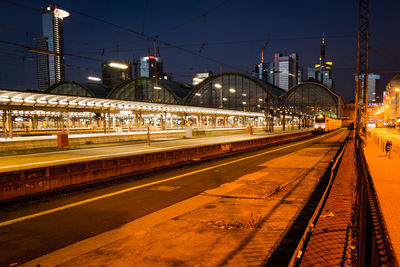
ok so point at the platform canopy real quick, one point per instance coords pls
(20, 100)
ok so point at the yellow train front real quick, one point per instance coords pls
(323, 124)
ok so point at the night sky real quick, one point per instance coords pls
(231, 32)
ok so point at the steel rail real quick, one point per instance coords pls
(302, 245)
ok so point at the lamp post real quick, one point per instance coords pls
(219, 86)
(397, 90)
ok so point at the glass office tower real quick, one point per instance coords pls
(51, 67)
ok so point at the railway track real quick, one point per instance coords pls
(285, 188)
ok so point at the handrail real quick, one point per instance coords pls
(333, 166)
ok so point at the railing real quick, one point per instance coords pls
(329, 175)
(369, 232)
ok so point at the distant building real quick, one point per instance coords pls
(374, 95)
(391, 100)
(286, 69)
(113, 73)
(151, 66)
(322, 72)
(201, 76)
(300, 75)
(50, 66)
(264, 71)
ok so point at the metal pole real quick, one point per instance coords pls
(361, 95)
(148, 135)
(67, 116)
(5, 127)
(10, 123)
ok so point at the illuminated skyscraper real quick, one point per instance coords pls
(322, 72)
(286, 70)
(374, 94)
(151, 66)
(51, 65)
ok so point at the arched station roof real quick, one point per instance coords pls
(235, 91)
(73, 88)
(311, 98)
(147, 90)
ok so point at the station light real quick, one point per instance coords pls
(232, 90)
(29, 100)
(93, 78)
(17, 99)
(217, 85)
(118, 65)
(157, 87)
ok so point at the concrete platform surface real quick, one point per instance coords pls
(235, 224)
(386, 179)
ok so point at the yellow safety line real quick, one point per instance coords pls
(144, 185)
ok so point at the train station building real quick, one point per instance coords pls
(226, 100)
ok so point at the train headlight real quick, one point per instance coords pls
(323, 126)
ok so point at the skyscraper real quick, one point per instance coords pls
(113, 73)
(374, 95)
(51, 65)
(286, 70)
(151, 66)
(322, 72)
(264, 71)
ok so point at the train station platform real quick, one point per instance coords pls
(235, 224)
(386, 179)
(25, 159)
(32, 144)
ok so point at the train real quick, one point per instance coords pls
(323, 124)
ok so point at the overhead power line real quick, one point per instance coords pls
(32, 49)
(220, 43)
(129, 32)
(149, 38)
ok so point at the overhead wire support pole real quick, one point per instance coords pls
(361, 95)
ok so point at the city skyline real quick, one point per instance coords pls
(235, 44)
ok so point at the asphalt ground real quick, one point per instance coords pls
(52, 225)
